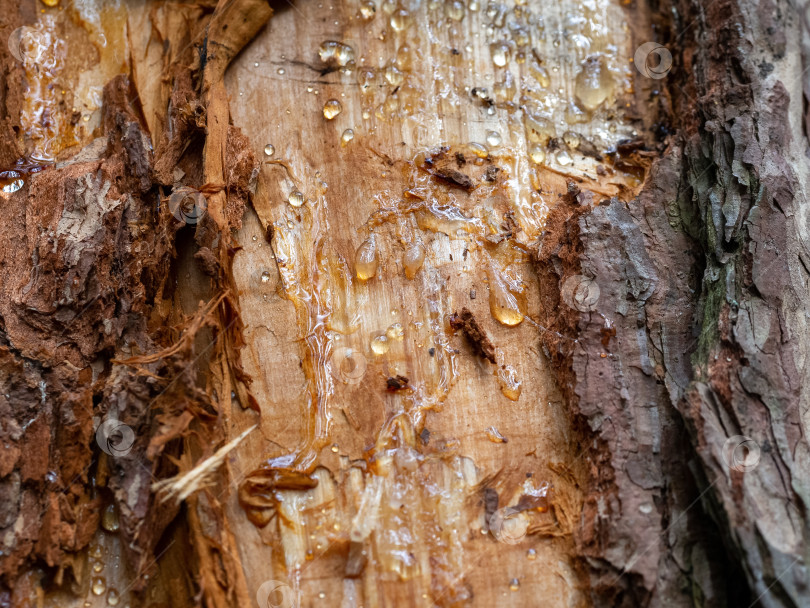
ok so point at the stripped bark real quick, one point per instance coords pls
(699, 332)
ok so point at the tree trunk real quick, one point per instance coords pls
(418, 304)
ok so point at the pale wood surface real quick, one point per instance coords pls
(279, 102)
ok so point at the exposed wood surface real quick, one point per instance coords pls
(482, 336)
(437, 551)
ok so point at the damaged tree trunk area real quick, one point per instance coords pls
(419, 303)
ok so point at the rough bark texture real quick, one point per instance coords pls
(698, 333)
(746, 166)
(704, 276)
(91, 330)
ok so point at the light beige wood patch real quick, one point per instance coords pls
(413, 504)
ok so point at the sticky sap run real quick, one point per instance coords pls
(328, 295)
(406, 512)
(67, 57)
(564, 120)
(321, 287)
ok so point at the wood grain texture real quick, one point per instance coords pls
(303, 306)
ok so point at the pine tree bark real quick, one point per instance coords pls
(662, 349)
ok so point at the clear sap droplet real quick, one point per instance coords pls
(563, 158)
(493, 138)
(341, 54)
(391, 104)
(269, 150)
(541, 75)
(98, 586)
(521, 36)
(347, 136)
(109, 518)
(574, 115)
(366, 78)
(455, 10)
(395, 332)
(537, 154)
(505, 90)
(368, 9)
(510, 385)
(514, 584)
(380, 344)
(413, 259)
(494, 435)
(112, 597)
(538, 129)
(331, 109)
(400, 19)
(507, 298)
(593, 84)
(496, 13)
(571, 139)
(265, 276)
(10, 181)
(500, 52)
(531, 554)
(404, 58)
(296, 198)
(478, 149)
(365, 260)
(393, 75)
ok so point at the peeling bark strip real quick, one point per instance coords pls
(87, 292)
(88, 333)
